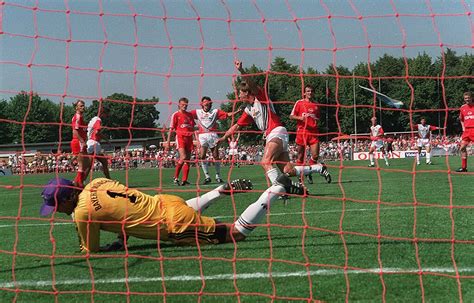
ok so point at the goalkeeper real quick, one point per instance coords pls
(107, 205)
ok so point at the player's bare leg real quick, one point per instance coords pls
(84, 165)
(428, 154)
(301, 151)
(204, 163)
(105, 165)
(463, 168)
(385, 157)
(271, 154)
(314, 149)
(418, 156)
(371, 156)
(184, 157)
(217, 163)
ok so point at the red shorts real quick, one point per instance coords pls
(468, 135)
(185, 142)
(77, 147)
(305, 139)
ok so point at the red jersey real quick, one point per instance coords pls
(466, 115)
(262, 113)
(207, 121)
(309, 109)
(183, 123)
(79, 125)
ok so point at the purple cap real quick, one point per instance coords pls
(57, 189)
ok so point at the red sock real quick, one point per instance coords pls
(464, 163)
(178, 170)
(311, 161)
(79, 180)
(185, 171)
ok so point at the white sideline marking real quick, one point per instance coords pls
(245, 276)
(231, 217)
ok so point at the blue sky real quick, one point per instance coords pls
(196, 71)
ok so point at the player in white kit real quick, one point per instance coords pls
(376, 135)
(424, 139)
(234, 149)
(208, 139)
(94, 137)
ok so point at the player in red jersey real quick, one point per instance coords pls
(94, 148)
(78, 143)
(207, 126)
(259, 110)
(306, 113)
(424, 139)
(376, 135)
(182, 122)
(466, 116)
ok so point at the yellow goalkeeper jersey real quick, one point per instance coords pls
(110, 206)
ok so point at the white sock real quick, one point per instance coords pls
(385, 158)
(273, 174)
(306, 170)
(205, 168)
(428, 157)
(254, 213)
(218, 169)
(201, 203)
(371, 158)
(417, 158)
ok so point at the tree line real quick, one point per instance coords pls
(428, 87)
(433, 89)
(29, 118)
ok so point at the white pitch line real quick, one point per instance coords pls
(242, 276)
(227, 217)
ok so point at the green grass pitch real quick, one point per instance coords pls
(371, 235)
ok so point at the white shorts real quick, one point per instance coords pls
(93, 147)
(280, 133)
(378, 144)
(233, 152)
(208, 139)
(423, 142)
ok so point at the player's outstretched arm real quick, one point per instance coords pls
(249, 79)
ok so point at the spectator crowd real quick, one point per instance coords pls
(248, 155)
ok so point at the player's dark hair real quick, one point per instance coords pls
(76, 103)
(184, 99)
(246, 88)
(206, 98)
(467, 94)
(308, 86)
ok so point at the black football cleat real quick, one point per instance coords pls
(461, 170)
(325, 173)
(291, 187)
(239, 185)
(207, 181)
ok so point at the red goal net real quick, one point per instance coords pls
(399, 229)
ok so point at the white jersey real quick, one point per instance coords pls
(424, 131)
(376, 132)
(93, 128)
(207, 121)
(233, 144)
